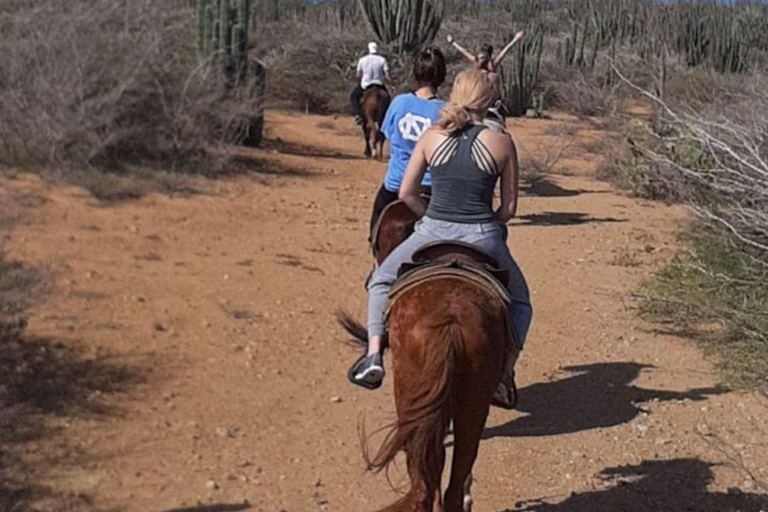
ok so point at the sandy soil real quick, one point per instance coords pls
(209, 373)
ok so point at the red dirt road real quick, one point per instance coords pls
(217, 311)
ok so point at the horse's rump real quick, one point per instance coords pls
(374, 105)
(395, 224)
(460, 262)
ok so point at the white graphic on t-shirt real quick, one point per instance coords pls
(412, 126)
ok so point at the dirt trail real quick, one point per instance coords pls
(218, 311)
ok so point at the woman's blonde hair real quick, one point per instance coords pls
(473, 93)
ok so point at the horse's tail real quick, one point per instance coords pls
(353, 327)
(422, 427)
(381, 109)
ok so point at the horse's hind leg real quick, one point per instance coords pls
(380, 145)
(374, 142)
(367, 137)
(467, 428)
(472, 404)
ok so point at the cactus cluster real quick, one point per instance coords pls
(567, 54)
(520, 79)
(713, 38)
(222, 39)
(222, 34)
(408, 25)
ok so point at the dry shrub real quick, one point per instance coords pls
(547, 156)
(95, 83)
(312, 68)
(713, 159)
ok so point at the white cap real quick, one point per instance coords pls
(373, 47)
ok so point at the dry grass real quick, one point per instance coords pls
(712, 294)
(90, 84)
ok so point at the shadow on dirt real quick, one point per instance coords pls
(44, 384)
(545, 187)
(215, 507)
(291, 148)
(245, 164)
(592, 396)
(560, 219)
(654, 486)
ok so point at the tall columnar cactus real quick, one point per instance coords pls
(407, 24)
(519, 83)
(222, 39)
(222, 34)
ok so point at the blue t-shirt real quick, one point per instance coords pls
(407, 118)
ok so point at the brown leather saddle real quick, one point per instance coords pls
(457, 260)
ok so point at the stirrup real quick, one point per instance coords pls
(353, 370)
(507, 400)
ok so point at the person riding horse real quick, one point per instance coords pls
(466, 161)
(372, 71)
(485, 61)
(408, 117)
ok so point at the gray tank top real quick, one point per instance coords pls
(464, 175)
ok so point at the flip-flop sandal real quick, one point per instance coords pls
(353, 370)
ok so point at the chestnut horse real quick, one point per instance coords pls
(447, 340)
(447, 337)
(374, 106)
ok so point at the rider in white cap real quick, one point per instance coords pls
(372, 71)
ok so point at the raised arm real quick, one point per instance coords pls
(510, 182)
(503, 53)
(467, 55)
(410, 191)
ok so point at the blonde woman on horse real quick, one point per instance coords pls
(466, 160)
(485, 61)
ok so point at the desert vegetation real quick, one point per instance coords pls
(115, 86)
(94, 91)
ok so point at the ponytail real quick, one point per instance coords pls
(473, 93)
(454, 117)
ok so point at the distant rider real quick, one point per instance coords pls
(408, 117)
(485, 61)
(372, 71)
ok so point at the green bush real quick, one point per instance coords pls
(717, 294)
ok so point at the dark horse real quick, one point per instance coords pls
(448, 338)
(374, 106)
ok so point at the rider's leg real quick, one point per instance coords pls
(520, 311)
(372, 368)
(354, 99)
(386, 274)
